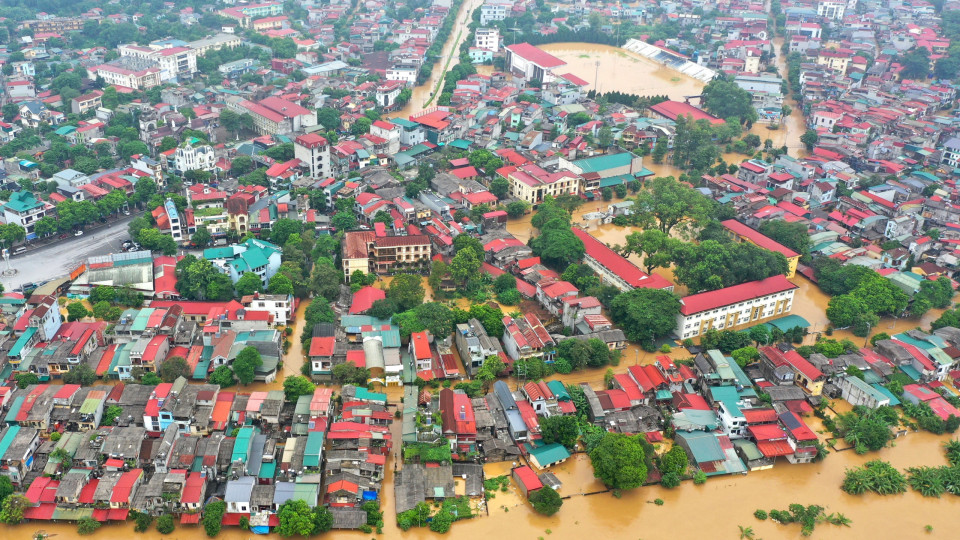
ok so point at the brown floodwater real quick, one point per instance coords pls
(713, 510)
(621, 70)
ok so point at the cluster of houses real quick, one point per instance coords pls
(174, 447)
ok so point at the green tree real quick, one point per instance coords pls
(110, 414)
(916, 63)
(655, 246)
(560, 429)
(725, 99)
(809, 139)
(246, 363)
(361, 126)
(465, 265)
(517, 209)
(87, 526)
(282, 229)
(557, 245)
(646, 314)
(173, 368)
(201, 238)
(406, 290)
(295, 386)
(329, 118)
(248, 284)
(322, 519)
(11, 511)
(670, 204)
(165, 524)
(546, 501)
(76, 311)
(344, 221)
(81, 374)
(295, 519)
(26, 379)
(154, 240)
(746, 355)
(212, 517)
(794, 235)
(223, 377)
(618, 461)
(6, 488)
(674, 461)
(500, 187)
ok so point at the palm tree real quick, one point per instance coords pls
(746, 532)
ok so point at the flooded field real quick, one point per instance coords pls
(614, 69)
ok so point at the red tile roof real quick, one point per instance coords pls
(705, 301)
(537, 56)
(758, 238)
(674, 109)
(364, 299)
(617, 264)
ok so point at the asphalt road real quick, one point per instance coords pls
(61, 257)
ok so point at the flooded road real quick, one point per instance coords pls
(423, 93)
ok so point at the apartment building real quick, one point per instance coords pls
(732, 306)
(314, 150)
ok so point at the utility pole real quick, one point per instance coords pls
(596, 78)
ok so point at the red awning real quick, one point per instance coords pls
(101, 514)
(118, 514)
(189, 519)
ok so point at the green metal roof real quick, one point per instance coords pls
(22, 341)
(363, 394)
(750, 450)
(268, 470)
(559, 390)
(597, 164)
(14, 409)
(703, 446)
(460, 143)
(311, 454)
(23, 201)
(549, 454)
(7, 439)
(729, 396)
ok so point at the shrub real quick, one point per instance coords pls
(87, 526)
(760, 514)
(658, 502)
(165, 524)
(699, 478)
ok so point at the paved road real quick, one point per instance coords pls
(59, 258)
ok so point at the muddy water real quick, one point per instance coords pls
(621, 70)
(422, 93)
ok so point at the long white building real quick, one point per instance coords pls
(733, 306)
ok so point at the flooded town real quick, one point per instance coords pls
(407, 269)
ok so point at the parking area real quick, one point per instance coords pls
(61, 257)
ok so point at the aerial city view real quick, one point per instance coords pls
(523, 269)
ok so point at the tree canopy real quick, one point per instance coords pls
(646, 314)
(618, 461)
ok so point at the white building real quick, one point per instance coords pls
(131, 72)
(734, 306)
(389, 131)
(388, 92)
(194, 158)
(531, 63)
(487, 38)
(405, 74)
(214, 43)
(494, 10)
(831, 9)
(174, 62)
(951, 153)
(24, 209)
(314, 150)
(279, 305)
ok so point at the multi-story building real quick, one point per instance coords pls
(733, 306)
(531, 63)
(365, 251)
(279, 305)
(276, 116)
(58, 25)
(131, 72)
(951, 153)
(314, 150)
(214, 43)
(86, 102)
(244, 15)
(474, 345)
(170, 221)
(487, 39)
(261, 258)
(24, 209)
(174, 62)
(531, 183)
(831, 9)
(494, 10)
(193, 158)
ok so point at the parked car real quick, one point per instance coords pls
(64, 235)
(78, 233)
